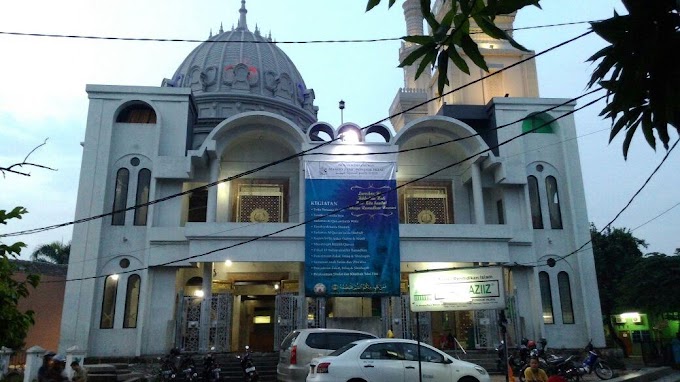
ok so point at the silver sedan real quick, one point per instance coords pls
(392, 360)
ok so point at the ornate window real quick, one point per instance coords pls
(120, 196)
(535, 200)
(565, 297)
(132, 301)
(546, 298)
(553, 203)
(541, 122)
(426, 203)
(260, 201)
(143, 182)
(109, 302)
(137, 112)
(198, 206)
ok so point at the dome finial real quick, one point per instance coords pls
(210, 33)
(242, 19)
(221, 29)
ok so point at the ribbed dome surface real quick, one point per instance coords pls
(242, 66)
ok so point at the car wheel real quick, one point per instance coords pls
(468, 379)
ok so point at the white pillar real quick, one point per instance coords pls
(5, 354)
(211, 213)
(73, 353)
(477, 195)
(206, 305)
(34, 359)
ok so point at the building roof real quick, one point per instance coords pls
(41, 267)
(244, 64)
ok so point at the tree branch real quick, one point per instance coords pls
(9, 169)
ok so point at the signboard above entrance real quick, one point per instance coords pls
(460, 289)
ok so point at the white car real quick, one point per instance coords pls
(392, 360)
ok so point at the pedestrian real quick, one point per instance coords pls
(45, 367)
(57, 372)
(79, 372)
(390, 333)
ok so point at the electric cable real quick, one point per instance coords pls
(298, 213)
(333, 41)
(656, 217)
(320, 217)
(297, 155)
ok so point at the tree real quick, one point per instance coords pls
(54, 252)
(638, 68)
(652, 285)
(15, 323)
(616, 251)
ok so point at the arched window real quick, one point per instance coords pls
(546, 298)
(109, 302)
(553, 203)
(534, 199)
(565, 297)
(120, 196)
(542, 123)
(143, 182)
(137, 113)
(132, 301)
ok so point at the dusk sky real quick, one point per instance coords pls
(43, 92)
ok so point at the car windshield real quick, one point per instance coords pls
(342, 349)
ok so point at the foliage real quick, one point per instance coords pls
(652, 286)
(616, 252)
(15, 323)
(639, 69)
(54, 252)
(452, 33)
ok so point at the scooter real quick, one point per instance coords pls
(593, 363)
(211, 370)
(249, 371)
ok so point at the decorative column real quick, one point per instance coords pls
(206, 308)
(211, 213)
(73, 353)
(34, 358)
(477, 194)
(5, 354)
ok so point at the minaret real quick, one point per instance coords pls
(414, 91)
(242, 19)
(414, 27)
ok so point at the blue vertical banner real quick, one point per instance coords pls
(352, 248)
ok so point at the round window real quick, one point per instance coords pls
(539, 167)
(134, 161)
(124, 263)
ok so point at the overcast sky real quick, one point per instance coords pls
(42, 95)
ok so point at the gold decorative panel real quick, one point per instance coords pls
(259, 203)
(426, 205)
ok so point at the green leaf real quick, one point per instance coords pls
(420, 40)
(427, 60)
(443, 67)
(648, 128)
(425, 8)
(629, 137)
(371, 4)
(457, 59)
(506, 7)
(471, 50)
(391, 3)
(489, 27)
(416, 54)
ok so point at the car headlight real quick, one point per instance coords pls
(480, 370)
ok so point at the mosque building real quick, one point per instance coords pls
(240, 237)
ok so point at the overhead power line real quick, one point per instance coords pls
(274, 233)
(332, 41)
(293, 156)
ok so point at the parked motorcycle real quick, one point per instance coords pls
(211, 370)
(568, 368)
(519, 359)
(594, 363)
(500, 362)
(249, 371)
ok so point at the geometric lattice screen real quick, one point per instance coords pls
(426, 205)
(259, 203)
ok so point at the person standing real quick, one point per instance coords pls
(533, 373)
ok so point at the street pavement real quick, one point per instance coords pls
(645, 374)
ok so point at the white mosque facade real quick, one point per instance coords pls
(226, 262)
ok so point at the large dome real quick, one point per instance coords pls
(238, 71)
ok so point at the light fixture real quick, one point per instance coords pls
(350, 136)
(114, 277)
(199, 293)
(341, 106)
(228, 263)
(276, 286)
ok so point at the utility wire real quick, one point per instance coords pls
(153, 39)
(298, 213)
(293, 156)
(360, 202)
(656, 217)
(630, 201)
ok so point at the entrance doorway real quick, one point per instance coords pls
(257, 321)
